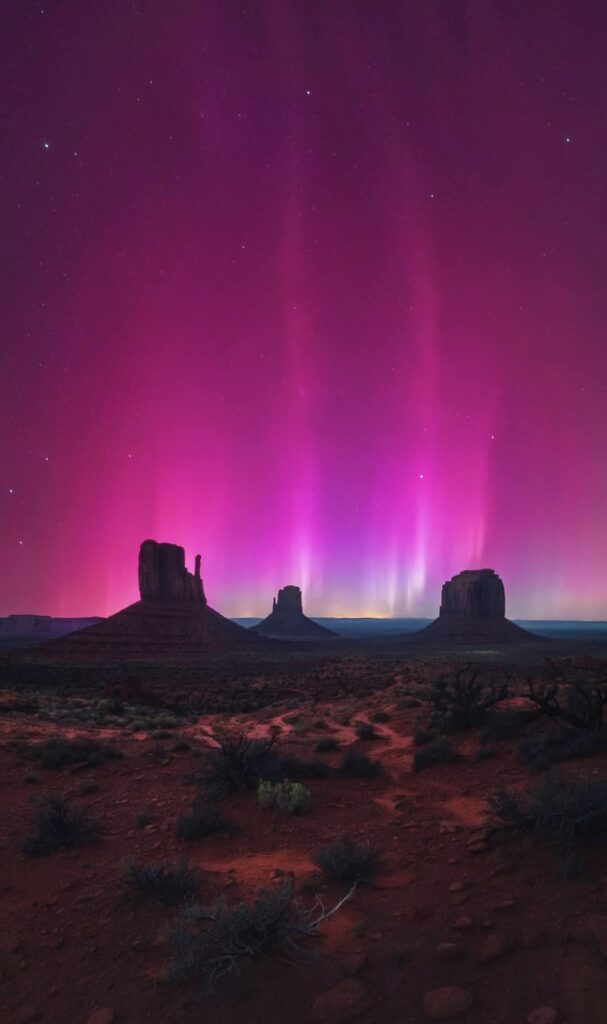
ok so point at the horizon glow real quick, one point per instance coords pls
(315, 291)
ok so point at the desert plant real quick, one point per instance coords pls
(162, 882)
(358, 766)
(347, 861)
(463, 699)
(438, 752)
(204, 819)
(579, 702)
(58, 751)
(365, 730)
(240, 762)
(56, 825)
(287, 796)
(215, 942)
(555, 747)
(88, 786)
(567, 812)
(379, 716)
(143, 818)
(326, 744)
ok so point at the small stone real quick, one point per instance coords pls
(544, 1015)
(463, 923)
(353, 963)
(450, 1001)
(342, 1003)
(103, 1016)
(479, 847)
(450, 951)
(493, 947)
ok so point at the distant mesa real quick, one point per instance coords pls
(287, 621)
(473, 610)
(171, 621)
(24, 630)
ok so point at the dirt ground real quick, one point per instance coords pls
(449, 906)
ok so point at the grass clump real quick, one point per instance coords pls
(365, 730)
(347, 861)
(555, 747)
(359, 766)
(58, 752)
(57, 826)
(204, 819)
(379, 716)
(215, 942)
(570, 813)
(438, 752)
(291, 797)
(161, 882)
(326, 744)
(241, 763)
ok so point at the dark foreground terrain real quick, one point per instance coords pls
(136, 837)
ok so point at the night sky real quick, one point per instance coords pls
(315, 288)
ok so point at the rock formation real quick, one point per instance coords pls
(172, 621)
(474, 594)
(473, 611)
(287, 620)
(164, 577)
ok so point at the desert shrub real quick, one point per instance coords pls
(241, 763)
(31, 778)
(463, 699)
(58, 751)
(540, 752)
(579, 702)
(423, 736)
(347, 861)
(143, 818)
(503, 725)
(161, 882)
(567, 812)
(438, 752)
(180, 746)
(212, 943)
(379, 716)
(204, 819)
(88, 786)
(56, 826)
(358, 766)
(287, 796)
(326, 744)
(365, 730)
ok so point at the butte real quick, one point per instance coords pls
(287, 621)
(171, 622)
(473, 611)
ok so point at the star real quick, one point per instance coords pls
(421, 476)
(568, 138)
(10, 490)
(308, 92)
(46, 145)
